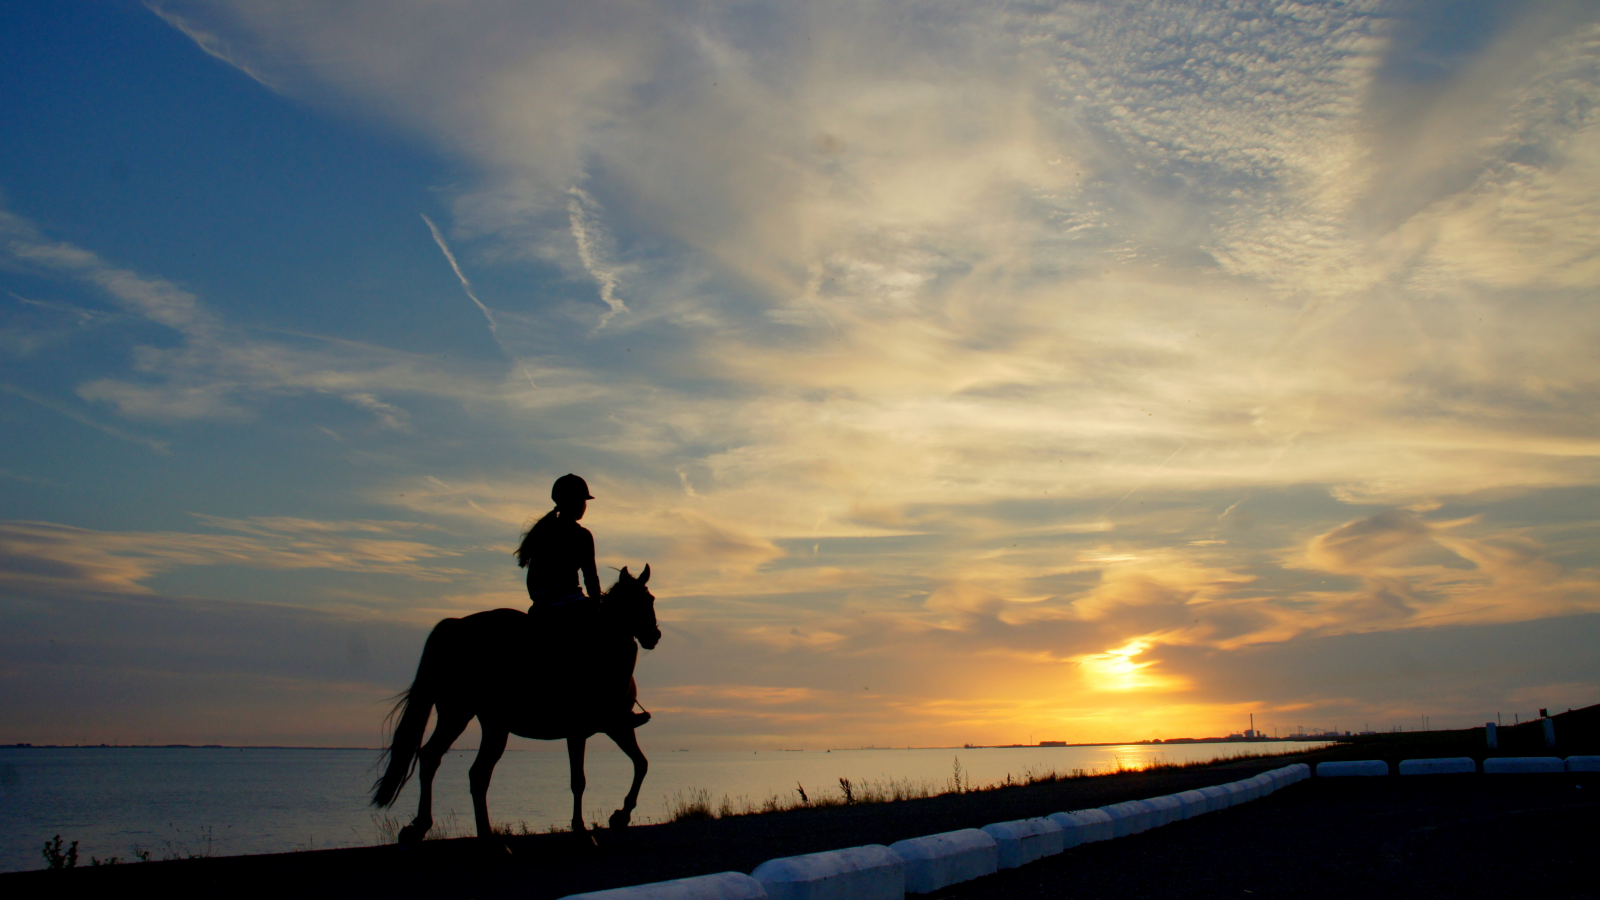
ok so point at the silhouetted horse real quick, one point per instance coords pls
(557, 673)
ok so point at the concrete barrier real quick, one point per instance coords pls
(1194, 803)
(1448, 765)
(1583, 764)
(1239, 792)
(723, 886)
(1130, 817)
(872, 872)
(941, 860)
(1024, 840)
(1523, 765)
(1366, 767)
(1083, 826)
(1168, 809)
(1217, 797)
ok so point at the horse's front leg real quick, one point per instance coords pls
(492, 745)
(575, 746)
(628, 742)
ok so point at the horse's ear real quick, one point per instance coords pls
(644, 576)
(625, 575)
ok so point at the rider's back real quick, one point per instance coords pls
(558, 547)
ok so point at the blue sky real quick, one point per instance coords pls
(966, 372)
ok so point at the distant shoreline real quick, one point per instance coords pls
(1047, 745)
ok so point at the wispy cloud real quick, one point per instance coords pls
(46, 556)
(589, 234)
(80, 418)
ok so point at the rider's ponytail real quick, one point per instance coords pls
(525, 550)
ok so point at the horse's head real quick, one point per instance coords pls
(635, 607)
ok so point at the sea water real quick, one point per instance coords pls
(227, 801)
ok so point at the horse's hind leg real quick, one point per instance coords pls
(492, 745)
(446, 728)
(575, 747)
(628, 742)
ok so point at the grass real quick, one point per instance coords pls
(698, 804)
(449, 827)
(175, 847)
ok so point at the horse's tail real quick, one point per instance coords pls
(410, 715)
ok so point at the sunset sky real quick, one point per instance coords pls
(966, 371)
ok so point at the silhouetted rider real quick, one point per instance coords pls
(557, 548)
(555, 551)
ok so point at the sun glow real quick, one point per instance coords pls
(1115, 670)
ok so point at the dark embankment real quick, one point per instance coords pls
(1324, 827)
(1494, 837)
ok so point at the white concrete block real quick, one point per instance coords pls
(1084, 826)
(1447, 765)
(1303, 769)
(1194, 803)
(1218, 797)
(872, 872)
(1583, 764)
(1024, 840)
(723, 886)
(1240, 792)
(1524, 765)
(1129, 817)
(1168, 809)
(940, 860)
(1357, 767)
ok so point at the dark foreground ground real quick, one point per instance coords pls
(1446, 836)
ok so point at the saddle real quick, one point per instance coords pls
(564, 660)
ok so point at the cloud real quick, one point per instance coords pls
(969, 327)
(217, 370)
(44, 556)
(589, 234)
(1355, 545)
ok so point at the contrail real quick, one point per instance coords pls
(494, 327)
(1153, 473)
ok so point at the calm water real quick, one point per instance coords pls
(271, 801)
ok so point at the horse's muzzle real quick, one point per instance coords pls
(649, 641)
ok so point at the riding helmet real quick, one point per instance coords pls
(570, 487)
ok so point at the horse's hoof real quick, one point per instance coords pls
(411, 835)
(619, 820)
(584, 839)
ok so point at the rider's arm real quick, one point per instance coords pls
(591, 575)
